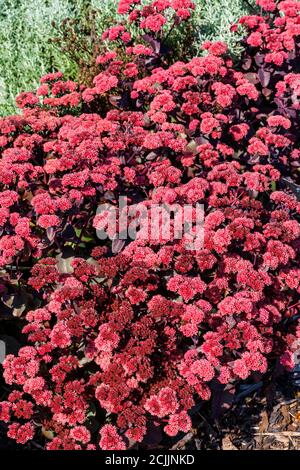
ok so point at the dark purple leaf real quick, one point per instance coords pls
(64, 261)
(254, 159)
(9, 346)
(262, 116)
(247, 389)
(16, 302)
(222, 399)
(153, 435)
(279, 103)
(292, 113)
(266, 92)
(115, 100)
(259, 59)
(117, 245)
(151, 156)
(109, 196)
(264, 77)
(295, 188)
(154, 43)
(247, 64)
(68, 232)
(139, 103)
(50, 232)
(252, 77)
(201, 140)
(292, 55)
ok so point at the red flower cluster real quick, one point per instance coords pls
(134, 337)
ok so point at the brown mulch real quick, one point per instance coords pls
(268, 419)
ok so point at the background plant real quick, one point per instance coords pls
(27, 30)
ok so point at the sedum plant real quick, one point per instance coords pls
(129, 337)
